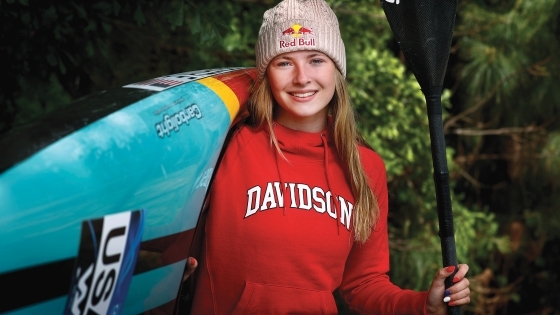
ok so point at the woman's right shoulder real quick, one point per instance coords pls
(241, 145)
(243, 134)
(242, 138)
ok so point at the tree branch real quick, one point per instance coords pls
(495, 132)
(478, 157)
(535, 69)
(452, 120)
(471, 179)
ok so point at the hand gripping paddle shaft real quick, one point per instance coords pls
(424, 30)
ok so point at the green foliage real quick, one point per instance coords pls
(362, 24)
(51, 94)
(482, 229)
(550, 162)
(508, 73)
(502, 51)
(391, 104)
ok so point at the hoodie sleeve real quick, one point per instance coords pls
(366, 287)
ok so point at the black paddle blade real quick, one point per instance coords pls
(423, 29)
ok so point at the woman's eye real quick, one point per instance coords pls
(317, 61)
(283, 64)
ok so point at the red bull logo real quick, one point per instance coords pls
(297, 31)
(289, 31)
(297, 38)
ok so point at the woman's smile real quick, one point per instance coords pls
(303, 94)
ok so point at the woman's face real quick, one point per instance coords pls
(303, 84)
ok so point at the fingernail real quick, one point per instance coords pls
(451, 303)
(455, 279)
(192, 262)
(450, 269)
(447, 293)
(446, 299)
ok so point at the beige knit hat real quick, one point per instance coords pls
(294, 25)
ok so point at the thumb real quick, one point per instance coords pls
(191, 266)
(446, 272)
(439, 279)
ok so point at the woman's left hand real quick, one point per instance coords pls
(458, 293)
(191, 266)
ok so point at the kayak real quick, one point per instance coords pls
(99, 199)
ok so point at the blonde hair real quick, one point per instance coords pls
(260, 111)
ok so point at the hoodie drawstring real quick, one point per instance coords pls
(333, 198)
(276, 153)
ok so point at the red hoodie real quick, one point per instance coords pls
(279, 234)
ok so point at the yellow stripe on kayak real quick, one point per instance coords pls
(225, 93)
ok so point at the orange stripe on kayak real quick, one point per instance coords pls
(225, 93)
(240, 82)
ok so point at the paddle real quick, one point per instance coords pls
(424, 29)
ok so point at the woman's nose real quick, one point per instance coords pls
(301, 75)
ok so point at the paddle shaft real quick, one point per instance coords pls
(441, 179)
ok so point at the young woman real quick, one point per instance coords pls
(298, 206)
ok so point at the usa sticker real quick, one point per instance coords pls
(105, 263)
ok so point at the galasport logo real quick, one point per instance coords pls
(106, 260)
(393, 1)
(297, 36)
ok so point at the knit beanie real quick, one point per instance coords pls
(294, 25)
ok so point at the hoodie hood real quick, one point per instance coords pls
(304, 146)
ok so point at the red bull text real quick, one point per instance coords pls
(297, 42)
